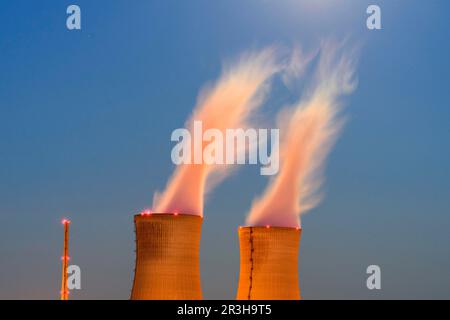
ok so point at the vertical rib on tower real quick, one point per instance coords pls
(167, 257)
(269, 263)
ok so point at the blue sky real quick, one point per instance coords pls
(86, 118)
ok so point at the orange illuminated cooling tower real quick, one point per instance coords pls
(167, 257)
(269, 263)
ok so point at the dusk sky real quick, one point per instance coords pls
(86, 117)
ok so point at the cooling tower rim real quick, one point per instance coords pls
(299, 229)
(166, 214)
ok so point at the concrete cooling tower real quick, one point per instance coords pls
(167, 257)
(269, 263)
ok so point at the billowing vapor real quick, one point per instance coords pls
(308, 131)
(228, 104)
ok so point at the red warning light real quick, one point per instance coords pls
(65, 221)
(146, 213)
(267, 227)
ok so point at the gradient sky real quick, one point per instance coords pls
(86, 118)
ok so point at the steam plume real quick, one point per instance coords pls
(310, 128)
(227, 104)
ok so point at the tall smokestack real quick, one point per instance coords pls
(269, 263)
(167, 257)
(64, 294)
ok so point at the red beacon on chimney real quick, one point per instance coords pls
(146, 213)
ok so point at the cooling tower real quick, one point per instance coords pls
(167, 257)
(269, 263)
